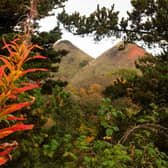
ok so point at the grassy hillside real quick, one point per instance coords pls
(104, 69)
(70, 64)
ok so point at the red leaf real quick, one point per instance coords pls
(5, 152)
(35, 46)
(17, 39)
(32, 70)
(7, 63)
(23, 89)
(18, 127)
(12, 97)
(38, 82)
(16, 118)
(13, 107)
(3, 160)
(2, 70)
(12, 54)
(6, 45)
(39, 56)
(7, 147)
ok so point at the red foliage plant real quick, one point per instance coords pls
(10, 72)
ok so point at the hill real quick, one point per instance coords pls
(102, 70)
(71, 64)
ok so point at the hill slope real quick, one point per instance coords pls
(71, 64)
(102, 69)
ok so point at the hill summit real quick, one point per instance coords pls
(81, 70)
(104, 69)
(71, 63)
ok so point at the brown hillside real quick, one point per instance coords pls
(102, 70)
(71, 64)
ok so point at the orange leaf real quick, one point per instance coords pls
(32, 70)
(2, 70)
(17, 39)
(12, 97)
(6, 45)
(39, 56)
(13, 107)
(23, 89)
(3, 160)
(5, 152)
(35, 46)
(16, 118)
(7, 63)
(18, 127)
(89, 139)
(27, 49)
(3, 78)
(4, 133)
(6, 148)
(14, 42)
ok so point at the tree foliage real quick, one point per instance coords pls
(14, 12)
(146, 22)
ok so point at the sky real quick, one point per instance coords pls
(86, 7)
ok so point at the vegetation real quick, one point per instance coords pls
(104, 69)
(10, 73)
(72, 63)
(126, 128)
(22, 17)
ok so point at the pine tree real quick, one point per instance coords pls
(13, 17)
(13, 12)
(148, 21)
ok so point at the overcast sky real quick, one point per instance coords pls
(85, 7)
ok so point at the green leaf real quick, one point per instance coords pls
(109, 132)
(70, 156)
(115, 128)
(115, 114)
(138, 152)
(105, 124)
(158, 162)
